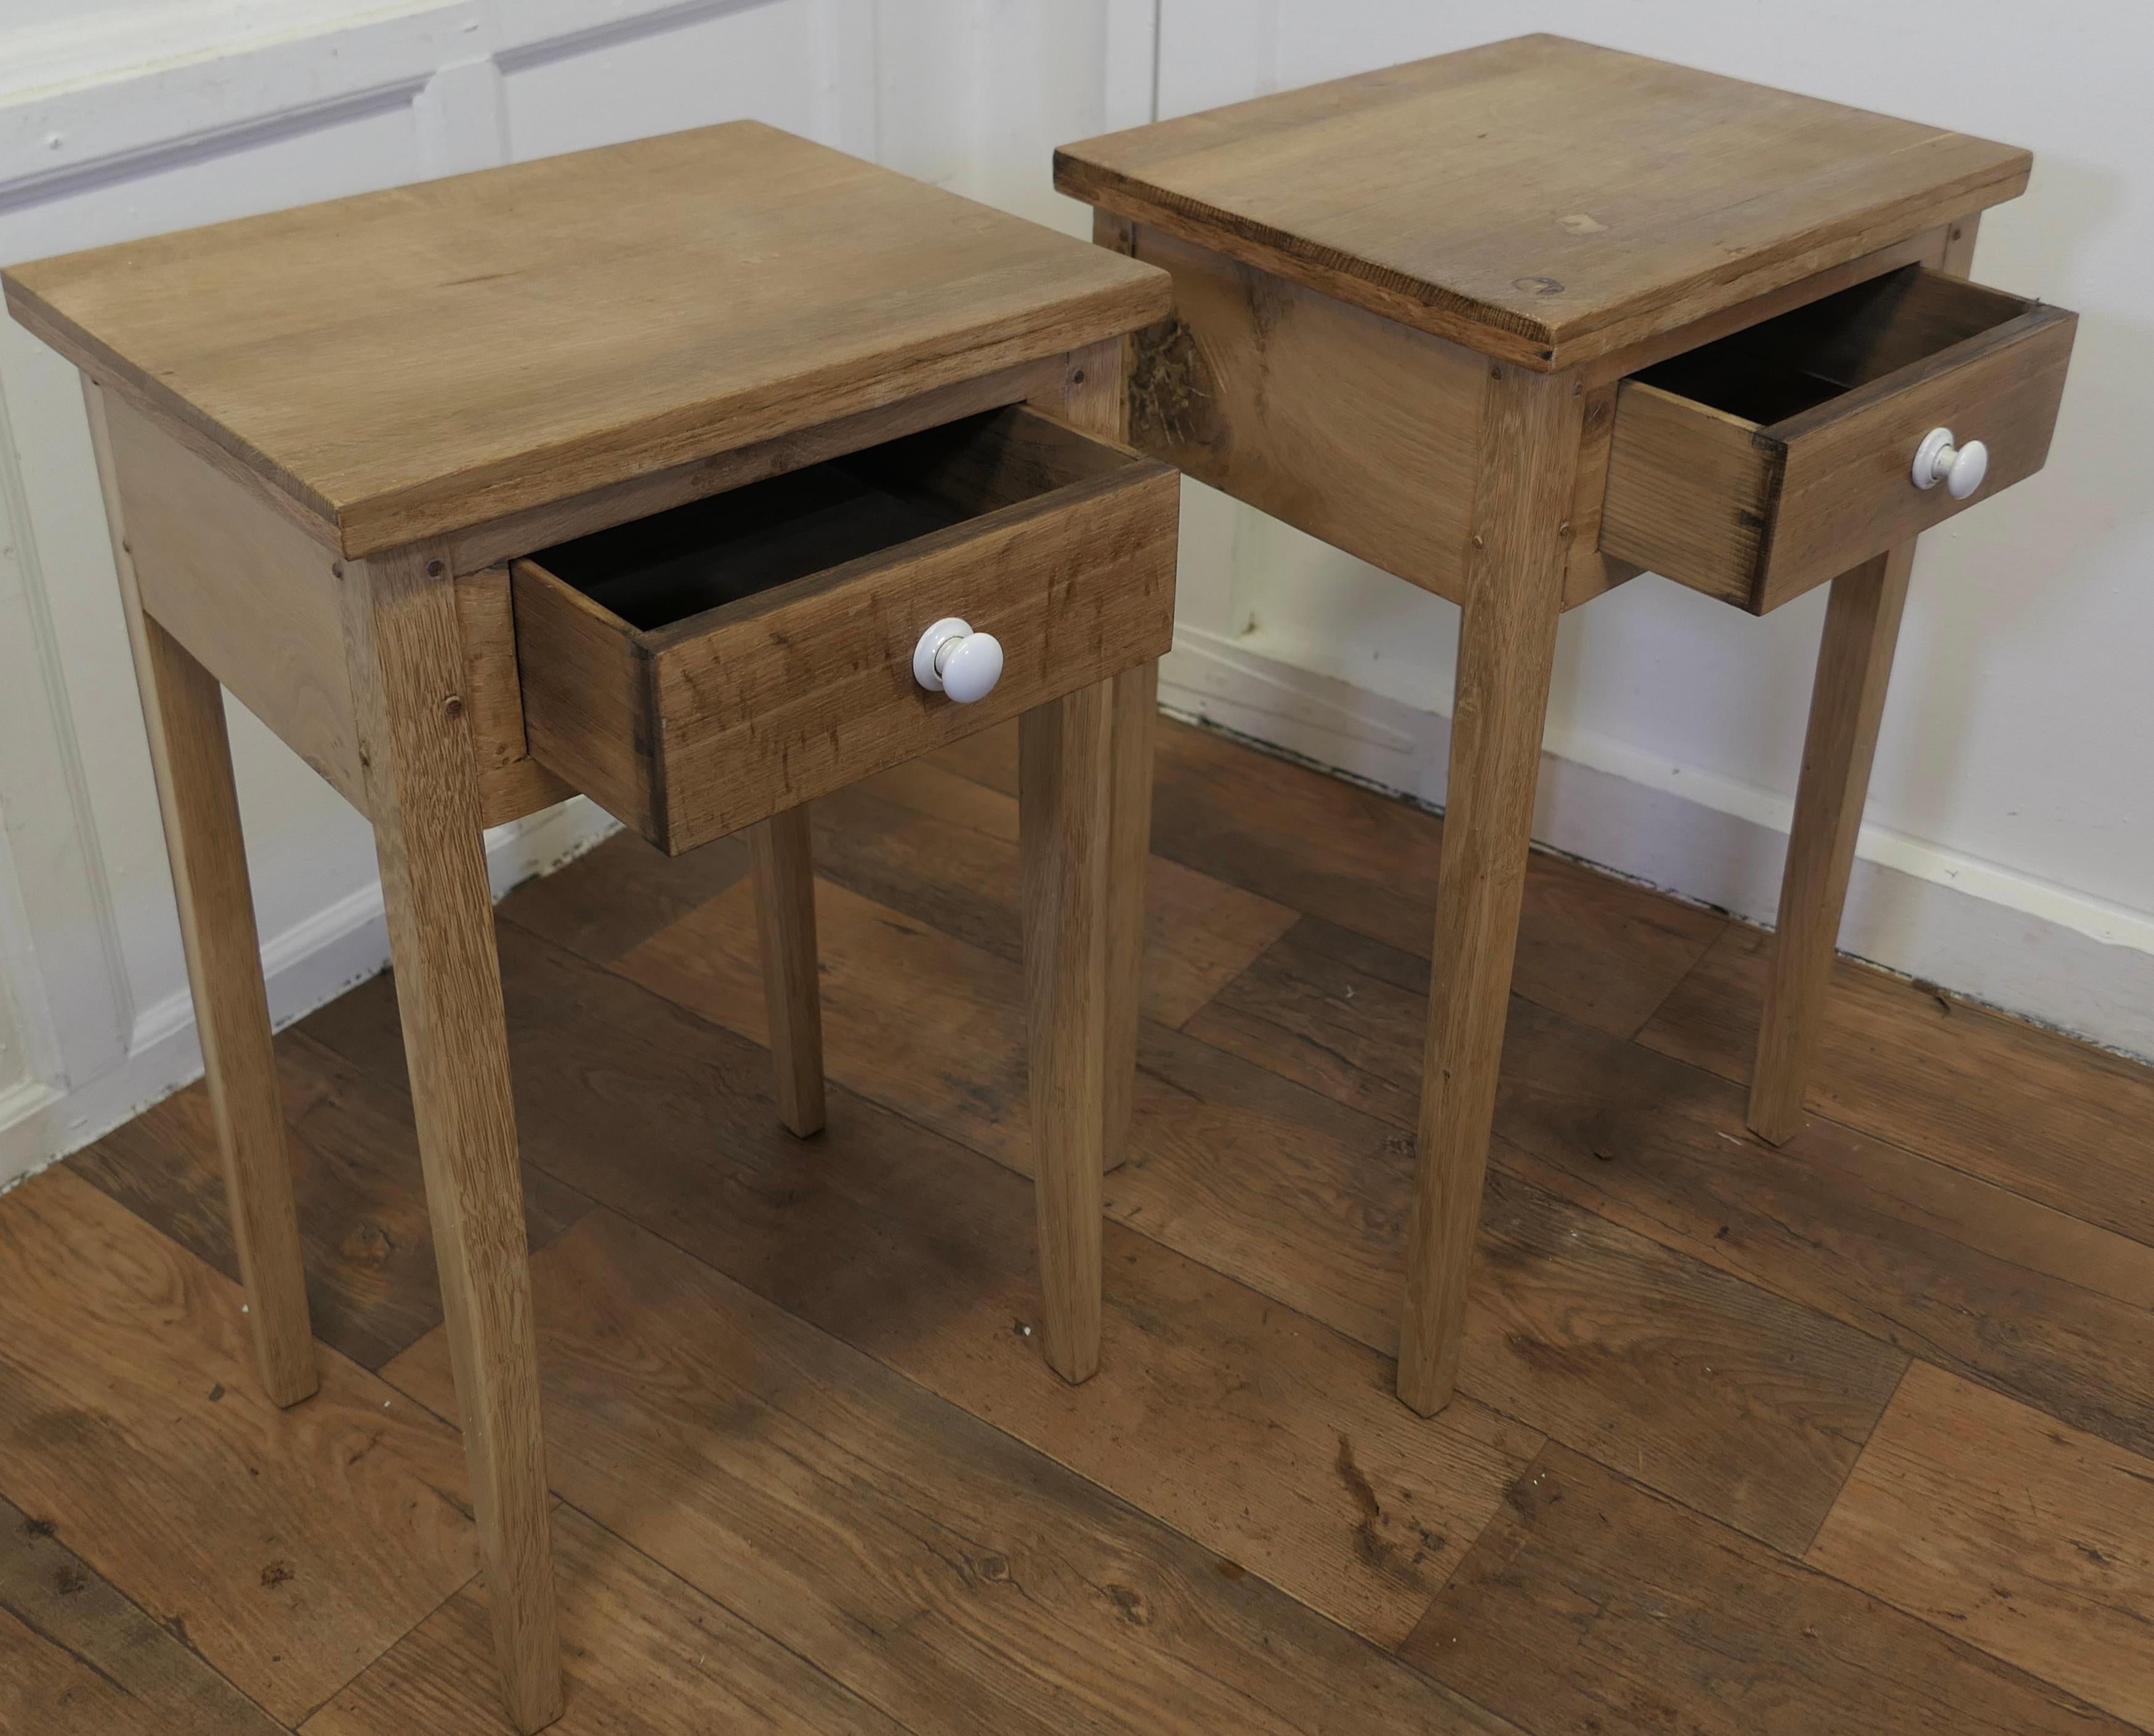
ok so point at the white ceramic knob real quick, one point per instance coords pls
(1960, 468)
(952, 660)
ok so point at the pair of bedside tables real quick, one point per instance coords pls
(707, 474)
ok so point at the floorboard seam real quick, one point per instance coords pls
(1853, 1464)
(1675, 987)
(456, 1592)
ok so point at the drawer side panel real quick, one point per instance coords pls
(1688, 491)
(511, 784)
(586, 697)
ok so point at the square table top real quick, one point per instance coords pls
(413, 361)
(1540, 198)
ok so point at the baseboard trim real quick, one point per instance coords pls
(1984, 931)
(310, 964)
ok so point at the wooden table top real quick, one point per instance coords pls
(409, 362)
(1541, 198)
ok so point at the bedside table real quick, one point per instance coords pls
(1517, 324)
(705, 475)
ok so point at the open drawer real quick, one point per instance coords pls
(700, 669)
(1757, 467)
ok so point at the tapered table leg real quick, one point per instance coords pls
(422, 787)
(782, 853)
(1094, 396)
(1855, 661)
(190, 755)
(1063, 818)
(1135, 708)
(1530, 434)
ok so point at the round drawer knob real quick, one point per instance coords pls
(951, 659)
(1960, 468)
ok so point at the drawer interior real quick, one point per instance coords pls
(656, 571)
(1783, 366)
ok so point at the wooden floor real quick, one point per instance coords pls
(1858, 1435)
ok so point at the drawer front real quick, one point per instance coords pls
(1758, 512)
(691, 731)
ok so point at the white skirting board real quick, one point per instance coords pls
(1981, 930)
(307, 965)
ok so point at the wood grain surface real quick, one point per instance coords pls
(646, 1653)
(1708, 487)
(1847, 704)
(77, 1657)
(1348, 426)
(511, 783)
(198, 800)
(366, 1243)
(915, 1017)
(1532, 427)
(1002, 1590)
(1520, 197)
(691, 294)
(415, 740)
(1063, 547)
(2033, 1541)
(1923, 1255)
(287, 1549)
(2041, 1116)
(249, 595)
(1746, 1437)
(781, 852)
(1591, 1604)
(1065, 817)
(918, 1252)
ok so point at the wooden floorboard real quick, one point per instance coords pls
(1596, 1606)
(1985, 1518)
(946, 1574)
(912, 1018)
(935, 847)
(1264, 1436)
(2048, 1118)
(612, 898)
(1747, 1405)
(1854, 1434)
(372, 1285)
(1750, 1406)
(1944, 1266)
(77, 1657)
(289, 1548)
(1600, 949)
(646, 1652)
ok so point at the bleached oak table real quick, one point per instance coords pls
(1517, 323)
(695, 474)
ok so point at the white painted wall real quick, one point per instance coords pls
(119, 118)
(2013, 808)
(2010, 848)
